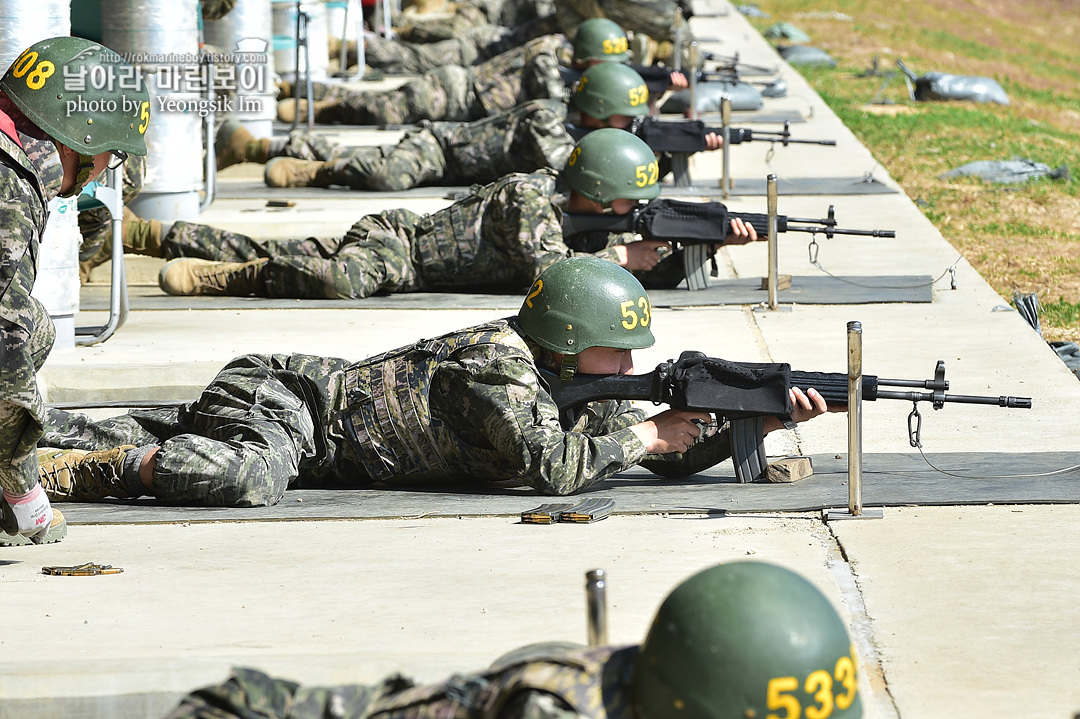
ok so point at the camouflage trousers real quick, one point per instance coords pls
(445, 93)
(524, 139)
(374, 255)
(261, 426)
(24, 346)
(480, 43)
(417, 159)
(250, 693)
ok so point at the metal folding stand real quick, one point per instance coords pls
(302, 20)
(112, 198)
(725, 134)
(596, 607)
(854, 509)
(209, 121)
(773, 279)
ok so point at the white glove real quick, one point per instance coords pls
(27, 514)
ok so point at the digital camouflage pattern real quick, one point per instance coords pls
(498, 237)
(654, 18)
(586, 683)
(482, 407)
(525, 138)
(30, 176)
(282, 407)
(456, 93)
(216, 9)
(475, 45)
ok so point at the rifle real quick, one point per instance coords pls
(693, 225)
(744, 393)
(689, 136)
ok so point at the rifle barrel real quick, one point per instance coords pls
(1000, 401)
(833, 387)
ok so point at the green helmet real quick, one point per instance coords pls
(746, 639)
(600, 40)
(612, 164)
(583, 302)
(610, 89)
(54, 83)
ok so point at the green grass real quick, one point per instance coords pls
(1023, 237)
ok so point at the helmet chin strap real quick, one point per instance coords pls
(82, 176)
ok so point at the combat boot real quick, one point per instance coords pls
(292, 172)
(57, 531)
(142, 237)
(192, 276)
(235, 144)
(75, 475)
(325, 110)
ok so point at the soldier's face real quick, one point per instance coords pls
(606, 360)
(69, 160)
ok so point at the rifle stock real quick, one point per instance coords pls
(744, 393)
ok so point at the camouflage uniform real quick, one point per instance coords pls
(525, 138)
(464, 408)
(655, 18)
(479, 43)
(499, 237)
(572, 684)
(30, 176)
(457, 93)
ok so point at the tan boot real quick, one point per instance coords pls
(325, 110)
(292, 172)
(75, 475)
(235, 144)
(192, 276)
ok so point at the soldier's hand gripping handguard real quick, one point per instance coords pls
(744, 393)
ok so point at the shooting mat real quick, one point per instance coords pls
(804, 290)
(888, 480)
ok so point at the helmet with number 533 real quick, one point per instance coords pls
(583, 302)
(746, 640)
(82, 94)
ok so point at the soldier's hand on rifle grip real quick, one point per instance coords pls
(678, 81)
(671, 431)
(713, 141)
(643, 254)
(741, 233)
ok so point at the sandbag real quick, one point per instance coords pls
(743, 97)
(1007, 171)
(944, 86)
(806, 55)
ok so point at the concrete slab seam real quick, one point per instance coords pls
(862, 633)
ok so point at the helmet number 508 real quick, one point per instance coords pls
(632, 319)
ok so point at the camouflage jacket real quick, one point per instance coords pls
(501, 235)
(587, 683)
(471, 405)
(30, 176)
(525, 138)
(528, 72)
(574, 684)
